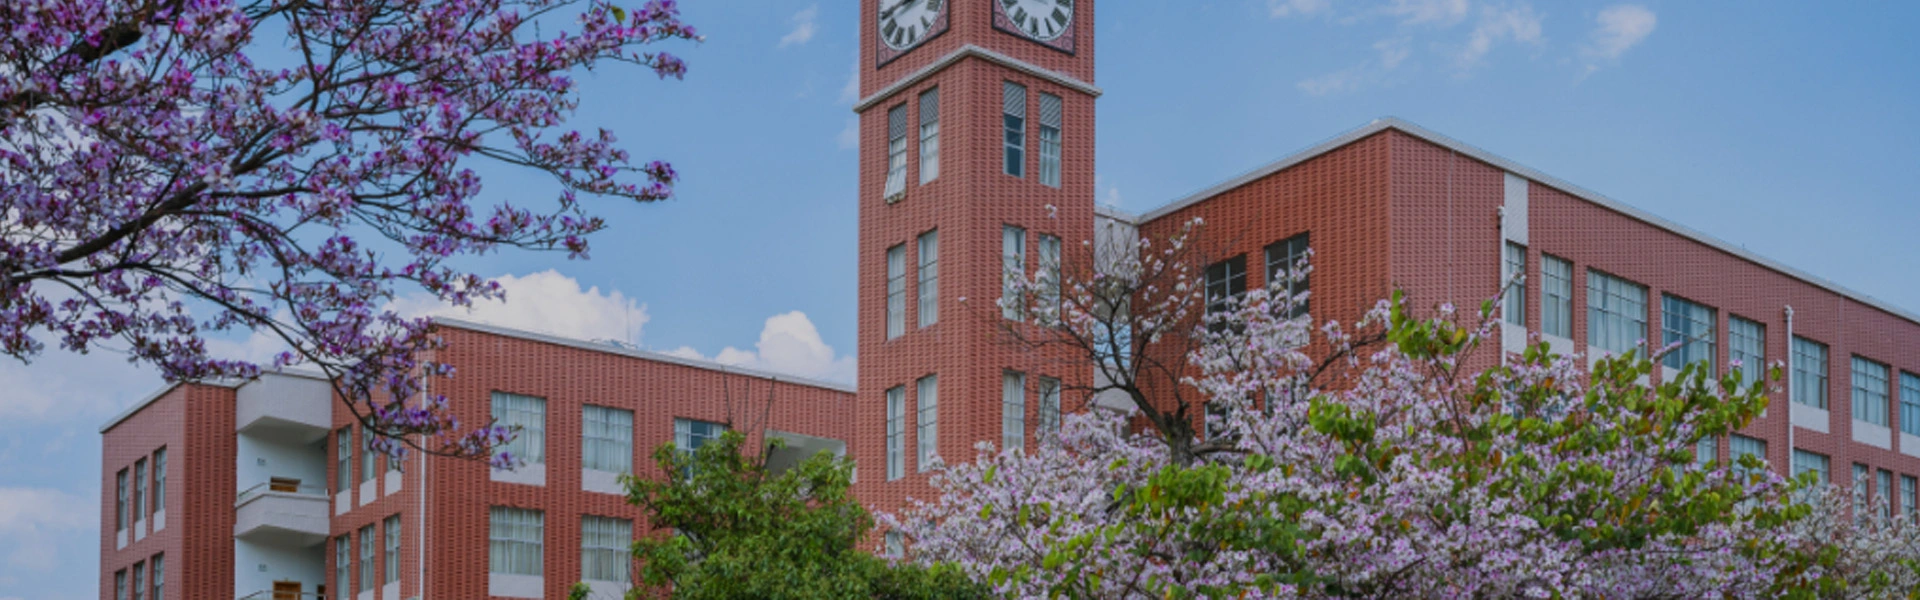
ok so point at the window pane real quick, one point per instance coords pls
(929, 278)
(1909, 403)
(139, 489)
(343, 563)
(1746, 349)
(1616, 313)
(1556, 295)
(1689, 325)
(366, 454)
(896, 429)
(1015, 123)
(607, 435)
(1050, 270)
(896, 152)
(1226, 281)
(1514, 271)
(605, 548)
(1809, 373)
(927, 395)
(343, 440)
(896, 291)
(160, 480)
(1285, 260)
(1013, 410)
(366, 558)
(1050, 140)
(392, 562)
(1049, 404)
(1743, 446)
(120, 500)
(514, 538)
(528, 415)
(1869, 391)
(929, 135)
(1013, 255)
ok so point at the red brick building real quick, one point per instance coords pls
(977, 138)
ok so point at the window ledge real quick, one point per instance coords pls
(1810, 417)
(604, 482)
(530, 474)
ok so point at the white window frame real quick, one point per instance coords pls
(343, 562)
(1556, 296)
(896, 291)
(1049, 392)
(927, 405)
(929, 288)
(605, 549)
(1014, 126)
(1691, 325)
(1013, 257)
(516, 541)
(606, 439)
(367, 543)
(159, 480)
(1616, 312)
(1513, 264)
(343, 453)
(896, 152)
(1013, 410)
(120, 505)
(1810, 364)
(1050, 138)
(139, 509)
(1225, 281)
(367, 455)
(1909, 403)
(1740, 445)
(688, 441)
(896, 430)
(390, 563)
(157, 576)
(529, 414)
(929, 135)
(1050, 270)
(1869, 386)
(1747, 345)
(1283, 259)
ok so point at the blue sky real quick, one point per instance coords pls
(1787, 128)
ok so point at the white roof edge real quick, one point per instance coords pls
(1114, 212)
(1501, 162)
(225, 383)
(975, 51)
(640, 354)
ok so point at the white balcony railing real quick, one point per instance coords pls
(281, 512)
(280, 405)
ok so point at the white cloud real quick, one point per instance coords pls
(1393, 51)
(1281, 9)
(850, 91)
(1619, 28)
(803, 27)
(546, 302)
(1497, 24)
(1344, 80)
(61, 386)
(29, 511)
(789, 343)
(1441, 12)
(849, 137)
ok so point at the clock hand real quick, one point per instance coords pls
(897, 6)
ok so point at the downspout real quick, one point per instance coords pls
(1789, 390)
(420, 542)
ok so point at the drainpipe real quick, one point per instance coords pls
(420, 518)
(1789, 390)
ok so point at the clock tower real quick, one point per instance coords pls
(976, 160)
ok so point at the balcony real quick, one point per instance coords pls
(281, 512)
(285, 406)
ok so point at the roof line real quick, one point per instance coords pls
(975, 51)
(225, 383)
(1482, 155)
(641, 354)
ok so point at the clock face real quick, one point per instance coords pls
(1043, 20)
(906, 23)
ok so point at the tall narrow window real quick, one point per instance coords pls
(366, 454)
(1809, 373)
(1556, 296)
(391, 565)
(1746, 349)
(1013, 410)
(1015, 122)
(1860, 492)
(120, 501)
(1743, 446)
(158, 566)
(1616, 312)
(896, 152)
(1013, 257)
(1869, 391)
(1049, 298)
(527, 416)
(343, 563)
(1909, 403)
(367, 542)
(896, 429)
(896, 544)
(139, 489)
(927, 400)
(1808, 462)
(1883, 492)
(159, 480)
(607, 436)
(1690, 325)
(139, 581)
(1226, 281)
(515, 538)
(689, 435)
(120, 585)
(1909, 496)
(605, 547)
(896, 291)
(343, 476)
(1513, 273)
(929, 278)
(929, 135)
(1049, 404)
(1050, 140)
(1707, 451)
(1286, 260)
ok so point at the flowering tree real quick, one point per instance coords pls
(171, 169)
(1388, 473)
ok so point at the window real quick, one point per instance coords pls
(1285, 260)
(1013, 253)
(1706, 451)
(929, 135)
(896, 429)
(1908, 499)
(896, 544)
(1050, 270)
(343, 563)
(927, 395)
(1910, 403)
(1013, 410)
(1616, 312)
(1809, 373)
(514, 538)
(605, 546)
(527, 416)
(896, 291)
(607, 439)
(1869, 391)
(366, 454)
(392, 563)
(1514, 307)
(1049, 404)
(366, 558)
(139, 490)
(689, 435)
(929, 278)
(1883, 492)
(1226, 281)
(139, 580)
(1015, 121)
(1746, 349)
(1744, 446)
(343, 440)
(1860, 492)
(120, 585)
(1556, 296)
(1691, 326)
(896, 152)
(1808, 462)
(159, 481)
(120, 501)
(1050, 140)
(159, 575)
(1214, 419)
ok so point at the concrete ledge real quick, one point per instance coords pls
(1872, 435)
(1808, 417)
(525, 475)
(1909, 444)
(601, 482)
(516, 586)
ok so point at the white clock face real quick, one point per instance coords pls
(904, 23)
(1042, 20)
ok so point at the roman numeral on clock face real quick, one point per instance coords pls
(1041, 20)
